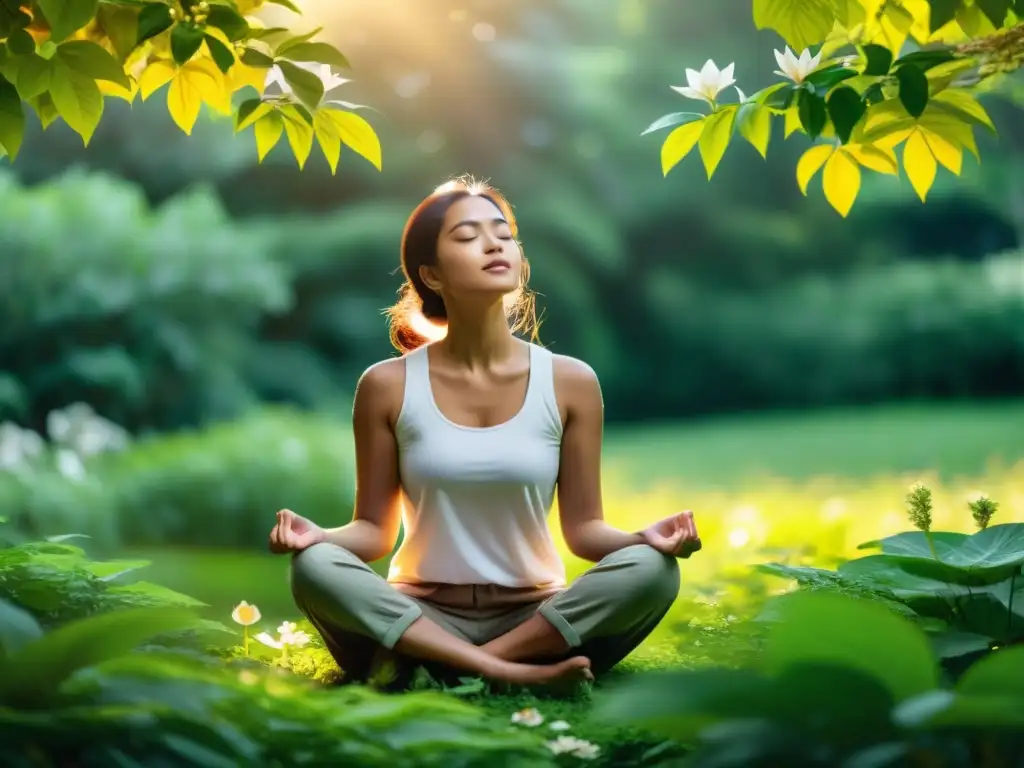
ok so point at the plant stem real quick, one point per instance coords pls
(1009, 610)
(245, 640)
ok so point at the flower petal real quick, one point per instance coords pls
(690, 93)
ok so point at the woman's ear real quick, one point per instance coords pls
(429, 277)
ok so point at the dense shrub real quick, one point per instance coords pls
(219, 486)
(146, 314)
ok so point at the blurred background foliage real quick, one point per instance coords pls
(173, 283)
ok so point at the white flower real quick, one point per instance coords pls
(706, 84)
(796, 69)
(559, 725)
(69, 465)
(323, 71)
(529, 717)
(246, 614)
(576, 747)
(269, 641)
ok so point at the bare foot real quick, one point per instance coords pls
(569, 671)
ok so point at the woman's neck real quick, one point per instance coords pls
(479, 338)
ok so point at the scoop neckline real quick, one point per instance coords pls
(466, 427)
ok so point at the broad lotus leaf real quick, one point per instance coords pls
(915, 544)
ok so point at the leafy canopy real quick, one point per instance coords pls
(63, 58)
(883, 75)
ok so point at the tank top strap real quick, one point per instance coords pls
(416, 397)
(544, 403)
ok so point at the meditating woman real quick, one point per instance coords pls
(464, 439)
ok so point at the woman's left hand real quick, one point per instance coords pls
(675, 535)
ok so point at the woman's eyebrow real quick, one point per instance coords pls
(476, 223)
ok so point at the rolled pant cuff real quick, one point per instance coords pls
(402, 623)
(559, 622)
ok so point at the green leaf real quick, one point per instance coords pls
(1001, 673)
(813, 114)
(298, 39)
(33, 76)
(32, 676)
(998, 549)
(994, 10)
(229, 21)
(18, 628)
(47, 113)
(714, 139)
(12, 119)
(801, 23)
(154, 18)
(681, 704)
(675, 118)
(112, 569)
(92, 60)
(913, 90)
(122, 27)
(942, 12)
(828, 77)
(925, 60)
(754, 122)
(220, 53)
(845, 109)
(67, 16)
(156, 594)
(954, 644)
(77, 99)
(780, 98)
(21, 43)
(186, 39)
(253, 58)
(916, 544)
(907, 578)
(308, 88)
(322, 53)
(817, 627)
(249, 111)
(879, 59)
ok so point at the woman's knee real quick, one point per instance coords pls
(653, 574)
(317, 567)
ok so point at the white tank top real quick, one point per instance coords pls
(476, 500)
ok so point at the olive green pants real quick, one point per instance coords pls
(604, 614)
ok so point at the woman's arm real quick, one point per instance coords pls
(579, 479)
(376, 521)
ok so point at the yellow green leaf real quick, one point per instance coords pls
(328, 137)
(949, 155)
(679, 143)
(358, 135)
(841, 181)
(919, 163)
(155, 76)
(268, 130)
(874, 158)
(257, 112)
(196, 82)
(801, 23)
(810, 163)
(299, 133)
(77, 98)
(957, 100)
(714, 139)
(242, 75)
(755, 125)
(951, 128)
(792, 124)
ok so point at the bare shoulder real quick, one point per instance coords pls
(381, 388)
(576, 383)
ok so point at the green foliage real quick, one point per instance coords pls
(966, 590)
(63, 58)
(219, 486)
(860, 91)
(147, 314)
(842, 681)
(90, 688)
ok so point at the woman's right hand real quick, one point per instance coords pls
(294, 533)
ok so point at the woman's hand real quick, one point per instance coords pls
(294, 533)
(675, 535)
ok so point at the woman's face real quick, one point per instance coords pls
(476, 252)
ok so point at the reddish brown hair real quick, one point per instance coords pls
(416, 301)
